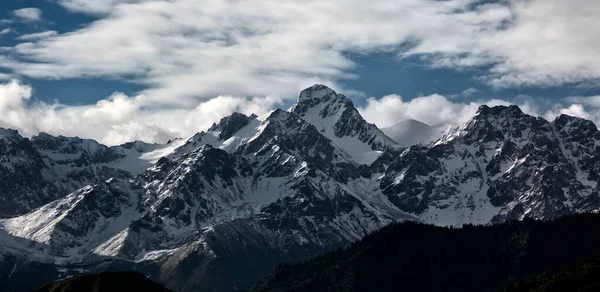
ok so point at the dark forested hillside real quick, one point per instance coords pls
(416, 257)
(581, 277)
(104, 282)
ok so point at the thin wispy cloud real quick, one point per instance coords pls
(30, 14)
(185, 50)
(37, 35)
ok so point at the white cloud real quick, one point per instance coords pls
(466, 93)
(93, 6)
(432, 109)
(190, 50)
(587, 107)
(469, 91)
(438, 110)
(37, 35)
(197, 49)
(539, 43)
(5, 31)
(118, 118)
(30, 14)
(592, 101)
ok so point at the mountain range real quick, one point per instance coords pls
(218, 210)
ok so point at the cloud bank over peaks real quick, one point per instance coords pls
(441, 111)
(120, 118)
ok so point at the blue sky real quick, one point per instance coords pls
(117, 70)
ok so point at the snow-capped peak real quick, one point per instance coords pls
(335, 116)
(498, 123)
(229, 125)
(283, 184)
(316, 92)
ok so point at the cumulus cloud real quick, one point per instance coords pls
(30, 14)
(438, 110)
(432, 109)
(587, 107)
(200, 60)
(592, 101)
(118, 118)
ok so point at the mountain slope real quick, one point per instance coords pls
(580, 277)
(252, 192)
(44, 168)
(335, 116)
(417, 257)
(22, 175)
(274, 184)
(502, 164)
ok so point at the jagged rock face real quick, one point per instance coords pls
(502, 164)
(287, 177)
(335, 117)
(83, 220)
(21, 175)
(48, 168)
(221, 208)
(75, 152)
(230, 124)
(38, 171)
(275, 184)
(203, 184)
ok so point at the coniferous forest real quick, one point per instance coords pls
(105, 282)
(515, 256)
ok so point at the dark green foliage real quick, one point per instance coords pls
(417, 257)
(104, 282)
(581, 277)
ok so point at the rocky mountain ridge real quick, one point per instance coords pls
(251, 192)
